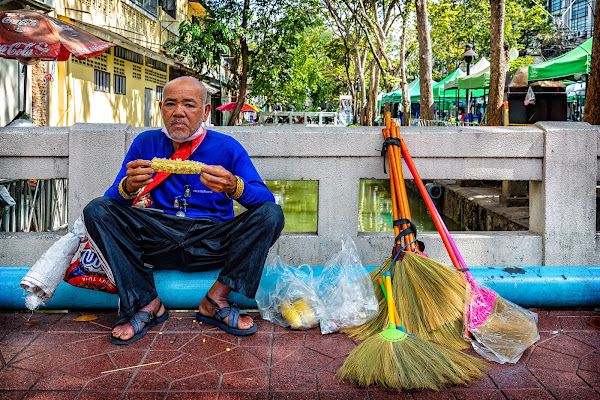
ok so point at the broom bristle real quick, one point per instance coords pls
(412, 363)
(426, 307)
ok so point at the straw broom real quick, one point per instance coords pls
(394, 359)
(432, 297)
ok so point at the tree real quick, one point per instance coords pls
(497, 63)
(425, 56)
(592, 92)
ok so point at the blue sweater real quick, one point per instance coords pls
(215, 149)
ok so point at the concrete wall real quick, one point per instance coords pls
(559, 159)
(11, 90)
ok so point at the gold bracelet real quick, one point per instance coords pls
(239, 189)
(123, 192)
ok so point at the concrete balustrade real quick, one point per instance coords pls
(560, 160)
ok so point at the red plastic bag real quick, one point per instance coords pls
(86, 272)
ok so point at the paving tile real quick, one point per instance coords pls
(68, 324)
(257, 339)
(251, 380)
(545, 358)
(149, 381)
(90, 344)
(210, 380)
(591, 378)
(527, 394)
(180, 322)
(125, 357)
(50, 395)
(293, 395)
(163, 357)
(91, 367)
(12, 394)
(286, 379)
(480, 394)
(144, 395)
(555, 379)
(263, 353)
(284, 345)
(44, 358)
(58, 380)
(333, 345)
(547, 322)
(445, 394)
(173, 340)
(99, 395)
(184, 367)
(54, 339)
(206, 346)
(304, 359)
(570, 324)
(12, 378)
(115, 381)
(251, 395)
(590, 363)
(575, 393)
(337, 395)
(513, 376)
(9, 352)
(237, 359)
(19, 338)
(328, 381)
(589, 338)
(567, 345)
(195, 395)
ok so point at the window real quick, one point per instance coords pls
(119, 84)
(579, 17)
(150, 6)
(159, 93)
(129, 55)
(101, 81)
(161, 66)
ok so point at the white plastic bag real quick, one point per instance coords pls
(529, 97)
(501, 330)
(44, 276)
(286, 296)
(346, 290)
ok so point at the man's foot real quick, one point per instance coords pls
(125, 331)
(207, 309)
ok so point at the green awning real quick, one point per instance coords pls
(577, 61)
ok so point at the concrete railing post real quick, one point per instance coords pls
(96, 152)
(562, 205)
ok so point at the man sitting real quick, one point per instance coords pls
(186, 221)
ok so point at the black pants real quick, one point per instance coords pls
(130, 238)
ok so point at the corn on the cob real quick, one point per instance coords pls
(177, 166)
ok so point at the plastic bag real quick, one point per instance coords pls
(529, 97)
(44, 276)
(286, 296)
(346, 290)
(86, 272)
(501, 330)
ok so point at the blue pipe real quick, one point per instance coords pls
(548, 286)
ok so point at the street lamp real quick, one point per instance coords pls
(469, 55)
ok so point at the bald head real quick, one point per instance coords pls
(183, 106)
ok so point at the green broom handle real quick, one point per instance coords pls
(429, 204)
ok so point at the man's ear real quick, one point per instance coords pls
(206, 112)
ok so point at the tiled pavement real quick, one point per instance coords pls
(50, 356)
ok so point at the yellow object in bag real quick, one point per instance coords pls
(299, 314)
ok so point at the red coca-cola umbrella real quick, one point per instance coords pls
(30, 36)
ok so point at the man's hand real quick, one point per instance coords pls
(218, 179)
(139, 174)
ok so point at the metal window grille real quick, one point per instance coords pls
(101, 81)
(129, 55)
(119, 84)
(161, 66)
(159, 93)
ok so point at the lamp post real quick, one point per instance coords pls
(469, 55)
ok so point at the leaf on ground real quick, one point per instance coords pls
(85, 318)
(31, 323)
(595, 322)
(173, 338)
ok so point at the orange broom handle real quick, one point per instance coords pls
(394, 199)
(429, 203)
(405, 210)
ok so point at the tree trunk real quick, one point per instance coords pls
(592, 92)
(404, 83)
(373, 92)
(497, 63)
(424, 60)
(244, 76)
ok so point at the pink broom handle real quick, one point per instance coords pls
(430, 206)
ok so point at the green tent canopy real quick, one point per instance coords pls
(577, 61)
(396, 97)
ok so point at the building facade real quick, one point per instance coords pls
(123, 85)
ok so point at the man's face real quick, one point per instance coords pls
(183, 109)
